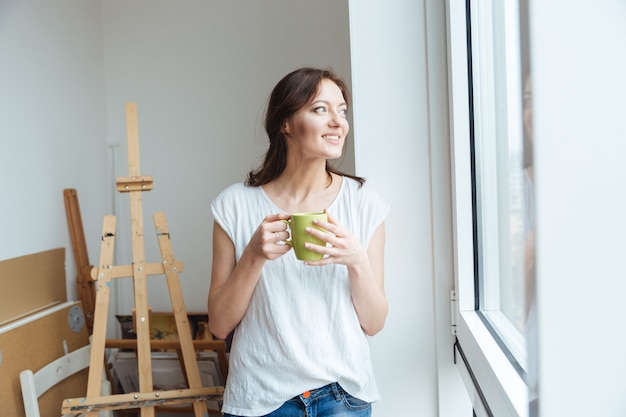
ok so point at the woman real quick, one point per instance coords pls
(300, 345)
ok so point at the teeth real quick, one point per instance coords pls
(331, 137)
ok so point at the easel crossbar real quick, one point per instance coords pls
(134, 183)
(141, 399)
(125, 271)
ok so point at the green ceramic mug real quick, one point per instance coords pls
(298, 223)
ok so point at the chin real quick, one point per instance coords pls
(334, 155)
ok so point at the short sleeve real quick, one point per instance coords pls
(224, 209)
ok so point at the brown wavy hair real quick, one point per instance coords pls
(293, 91)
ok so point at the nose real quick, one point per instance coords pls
(337, 119)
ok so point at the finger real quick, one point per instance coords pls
(332, 225)
(326, 260)
(331, 219)
(281, 236)
(270, 226)
(276, 217)
(280, 226)
(335, 224)
(282, 249)
(326, 235)
(324, 250)
(277, 251)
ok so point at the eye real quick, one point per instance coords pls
(343, 112)
(320, 109)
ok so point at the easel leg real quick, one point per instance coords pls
(101, 312)
(180, 312)
(142, 309)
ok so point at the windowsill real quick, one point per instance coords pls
(510, 336)
(502, 387)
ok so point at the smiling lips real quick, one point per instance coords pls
(331, 137)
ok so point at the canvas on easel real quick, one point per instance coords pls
(146, 398)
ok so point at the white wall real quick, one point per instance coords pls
(579, 91)
(52, 125)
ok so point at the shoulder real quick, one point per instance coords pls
(232, 196)
(365, 192)
(234, 203)
(364, 198)
(238, 187)
(366, 209)
(235, 191)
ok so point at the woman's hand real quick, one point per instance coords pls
(344, 247)
(268, 240)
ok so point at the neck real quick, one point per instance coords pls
(301, 189)
(306, 175)
(302, 184)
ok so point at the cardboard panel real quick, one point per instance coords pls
(31, 282)
(31, 343)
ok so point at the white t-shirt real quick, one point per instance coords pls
(300, 331)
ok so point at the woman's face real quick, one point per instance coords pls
(319, 129)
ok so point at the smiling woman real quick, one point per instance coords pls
(278, 366)
(295, 94)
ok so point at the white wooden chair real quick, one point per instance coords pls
(35, 384)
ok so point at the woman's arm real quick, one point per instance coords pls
(367, 285)
(232, 282)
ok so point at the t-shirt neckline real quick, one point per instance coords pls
(330, 206)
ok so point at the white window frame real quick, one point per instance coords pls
(494, 385)
(493, 156)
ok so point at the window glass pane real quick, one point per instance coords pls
(530, 330)
(500, 179)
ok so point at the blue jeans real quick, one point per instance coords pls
(328, 401)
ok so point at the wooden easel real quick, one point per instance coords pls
(146, 398)
(84, 284)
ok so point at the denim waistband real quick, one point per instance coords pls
(330, 389)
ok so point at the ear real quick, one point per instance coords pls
(285, 128)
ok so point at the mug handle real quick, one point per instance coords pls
(289, 241)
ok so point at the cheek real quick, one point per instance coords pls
(345, 125)
(306, 129)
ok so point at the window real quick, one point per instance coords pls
(491, 203)
(498, 173)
